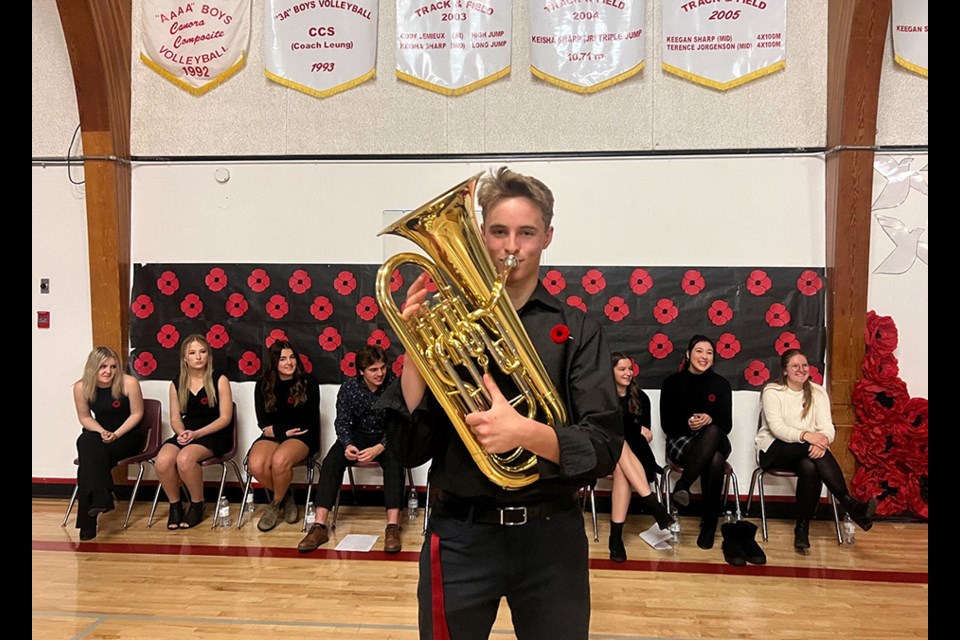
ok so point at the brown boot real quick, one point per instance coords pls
(317, 535)
(391, 539)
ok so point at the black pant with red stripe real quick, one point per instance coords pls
(541, 568)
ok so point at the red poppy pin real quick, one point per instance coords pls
(116, 404)
(711, 398)
(203, 401)
(560, 333)
(289, 399)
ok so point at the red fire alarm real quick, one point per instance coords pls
(43, 319)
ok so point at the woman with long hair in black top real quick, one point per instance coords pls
(696, 414)
(637, 467)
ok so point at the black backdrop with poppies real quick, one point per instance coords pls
(329, 311)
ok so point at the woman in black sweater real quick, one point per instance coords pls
(696, 414)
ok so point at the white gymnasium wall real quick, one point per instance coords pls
(725, 210)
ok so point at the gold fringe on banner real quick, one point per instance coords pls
(423, 84)
(326, 92)
(723, 86)
(910, 66)
(197, 91)
(592, 88)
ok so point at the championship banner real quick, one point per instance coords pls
(910, 34)
(320, 47)
(453, 46)
(195, 45)
(724, 44)
(587, 45)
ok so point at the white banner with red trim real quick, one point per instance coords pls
(910, 34)
(195, 45)
(453, 46)
(320, 47)
(724, 44)
(587, 45)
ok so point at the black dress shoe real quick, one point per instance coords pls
(862, 512)
(732, 544)
(618, 553)
(88, 533)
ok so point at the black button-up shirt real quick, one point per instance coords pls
(576, 356)
(357, 417)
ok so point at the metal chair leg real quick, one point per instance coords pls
(593, 512)
(133, 497)
(836, 518)
(426, 506)
(243, 499)
(763, 505)
(153, 508)
(753, 484)
(223, 481)
(73, 499)
(736, 495)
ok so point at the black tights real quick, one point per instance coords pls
(794, 456)
(705, 457)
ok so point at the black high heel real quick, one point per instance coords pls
(194, 515)
(657, 510)
(176, 515)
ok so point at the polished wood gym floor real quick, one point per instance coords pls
(223, 583)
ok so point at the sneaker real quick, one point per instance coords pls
(291, 513)
(269, 518)
(391, 539)
(317, 535)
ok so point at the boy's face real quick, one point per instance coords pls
(515, 226)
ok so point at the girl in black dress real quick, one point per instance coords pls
(110, 406)
(201, 414)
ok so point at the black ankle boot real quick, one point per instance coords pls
(732, 545)
(194, 515)
(657, 510)
(176, 515)
(752, 552)
(618, 553)
(860, 512)
(801, 535)
(708, 531)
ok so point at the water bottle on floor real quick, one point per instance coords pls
(248, 506)
(849, 530)
(413, 503)
(675, 527)
(223, 512)
(311, 514)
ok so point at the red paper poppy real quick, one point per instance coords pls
(379, 338)
(719, 313)
(277, 306)
(758, 282)
(348, 364)
(560, 333)
(274, 335)
(867, 443)
(236, 305)
(577, 302)
(396, 280)
(216, 280)
(367, 308)
(692, 282)
(727, 345)
(660, 346)
(322, 308)
(777, 315)
(429, 284)
(345, 283)
(880, 333)
(809, 283)
(249, 363)
(879, 404)
(665, 311)
(593, 282)
(815, 374)
(785, 341)
(168, 336)
(554, 281)
(329, 339)
(218, 336)
(635, 366)
(145, 364)
(880, 366)
(300, 281)
(756, 374)
(168, 283)
(258, 280)
(640, 281)
(398, 365)
(142, 307)
(616, 309)
(307, 365)
(192, 305)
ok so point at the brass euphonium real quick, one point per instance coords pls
(469, 325)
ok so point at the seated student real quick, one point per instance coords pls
(287, 401)
(696, 413)
(360, 438)
(201, 414)
(110, 406)
(796, 430)
(637, 467)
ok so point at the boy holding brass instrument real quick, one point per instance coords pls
(526, 543)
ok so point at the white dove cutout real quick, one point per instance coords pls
(900, 179)
(908, 247)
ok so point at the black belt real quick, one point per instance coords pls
(505, 515)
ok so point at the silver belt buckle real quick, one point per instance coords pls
(522, 510)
